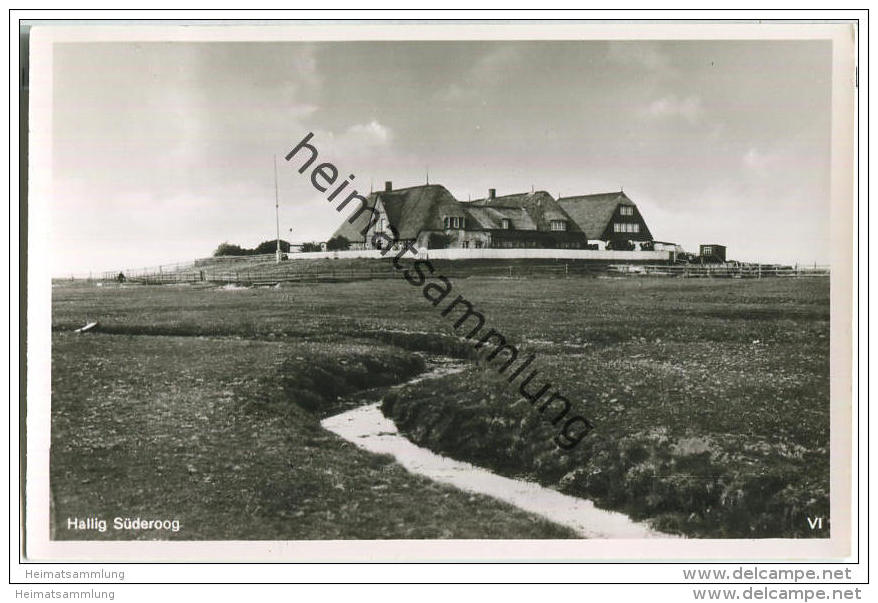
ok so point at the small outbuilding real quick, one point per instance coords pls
(711, 253)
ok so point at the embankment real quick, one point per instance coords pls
(717, 485)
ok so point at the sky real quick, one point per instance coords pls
(163, 150)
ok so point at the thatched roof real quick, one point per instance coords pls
(540, 206)
(410, 210)
(352, 231)
(491, 218)
(593, 212)
(419, 208)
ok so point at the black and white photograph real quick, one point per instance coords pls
(355, 286)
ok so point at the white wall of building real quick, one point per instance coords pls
(497, 254)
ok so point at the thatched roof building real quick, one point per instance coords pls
(410, 210)
(535, 219)
(607, 216)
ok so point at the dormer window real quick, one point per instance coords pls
(506, 224)
(559, 225)
(454, 223)
(626, 210)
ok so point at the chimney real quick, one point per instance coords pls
(388, 186)
(492, 193)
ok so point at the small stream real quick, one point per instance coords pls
(367, 428)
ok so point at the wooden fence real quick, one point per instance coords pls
(269, 273)
(725, 270)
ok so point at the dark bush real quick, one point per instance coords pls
(438, 240)
(338, 243)
(620, 245)
(225, 249)
(266, 247)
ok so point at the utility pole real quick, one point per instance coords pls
(276, 215)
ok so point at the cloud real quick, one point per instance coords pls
(645, 55)
(490, 69)
(453, 93)
(371, 134)
(493, 65)
(673, 107)
(358, 144)
(757, 160)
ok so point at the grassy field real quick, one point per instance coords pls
(709, 398)
(203, 430)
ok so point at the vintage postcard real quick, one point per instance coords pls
(443, 291)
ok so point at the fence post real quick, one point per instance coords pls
(566, 271)
(759, 271)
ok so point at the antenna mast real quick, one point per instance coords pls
(276, 215)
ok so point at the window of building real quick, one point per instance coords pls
(707, 251)
(559, 225)
(626, 210)
(454, 223)
(478, 244)
(506, 224)
(465, 245)
(625, 227)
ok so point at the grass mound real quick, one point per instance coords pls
(317, 381)
(431, 343)
(712, 457)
